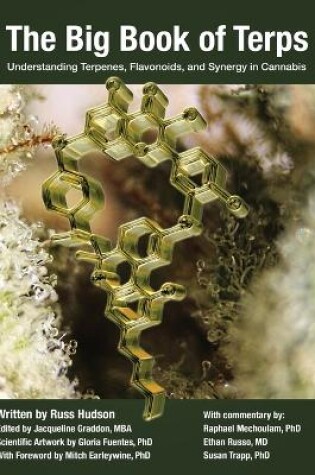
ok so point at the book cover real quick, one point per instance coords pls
(156, 238)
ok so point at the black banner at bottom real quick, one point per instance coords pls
(203, 437)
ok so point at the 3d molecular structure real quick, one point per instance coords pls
(135, 306)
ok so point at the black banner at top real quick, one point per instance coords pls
(169, 43)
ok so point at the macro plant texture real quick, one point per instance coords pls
(282, 365)
(34, 357)
(245, 328)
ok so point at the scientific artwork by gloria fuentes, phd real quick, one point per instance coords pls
(157, 242)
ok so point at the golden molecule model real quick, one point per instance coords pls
(135, 306)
